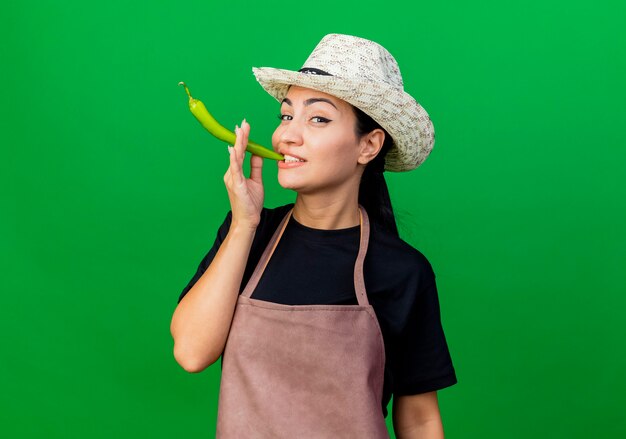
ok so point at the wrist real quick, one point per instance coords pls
(243, 229)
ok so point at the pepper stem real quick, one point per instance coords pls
(186, 89)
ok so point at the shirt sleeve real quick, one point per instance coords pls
(421, 357)
(206, 261)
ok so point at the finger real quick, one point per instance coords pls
(244, 131)
(256, 168)
(227, 173)
(235, 167)
(242, 141)
(237, 145)
(232, 153)
(237, 140)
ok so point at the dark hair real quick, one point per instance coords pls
(373, 191)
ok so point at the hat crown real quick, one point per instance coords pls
(347, 56)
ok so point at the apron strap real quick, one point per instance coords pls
(359, 281)
(265, 257)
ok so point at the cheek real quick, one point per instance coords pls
(333, 157)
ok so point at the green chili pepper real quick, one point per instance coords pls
(212, 126)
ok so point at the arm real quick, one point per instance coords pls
(202, 319)
(417, 416)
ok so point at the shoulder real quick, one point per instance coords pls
(402, 263)
(275, 214)
(269, 222)
(271, 218)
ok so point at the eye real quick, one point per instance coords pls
(322, 119)
(282, 116)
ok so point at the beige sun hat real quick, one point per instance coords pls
(364, 74)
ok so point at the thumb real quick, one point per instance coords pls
(256, 168)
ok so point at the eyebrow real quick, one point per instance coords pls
(310, 101)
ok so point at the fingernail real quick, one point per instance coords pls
(230, 149)
(236, 129)
(244, 121)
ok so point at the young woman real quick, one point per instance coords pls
(319, 309)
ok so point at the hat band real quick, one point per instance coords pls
(314, 71)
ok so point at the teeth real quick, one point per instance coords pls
(289, 158)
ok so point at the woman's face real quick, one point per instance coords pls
(320, 129)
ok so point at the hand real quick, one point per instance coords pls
(246, 194)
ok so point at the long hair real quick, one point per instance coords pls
(373, 191)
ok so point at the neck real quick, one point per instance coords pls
(327, 213)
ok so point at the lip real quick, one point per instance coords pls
(286, 165)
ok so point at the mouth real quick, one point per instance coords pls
(292, 159)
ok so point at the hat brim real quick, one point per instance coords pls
(406, 121)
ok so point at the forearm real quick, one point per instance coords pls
(202, 319)
(431, 429)
(417, 416)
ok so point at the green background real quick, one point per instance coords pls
(112, 193)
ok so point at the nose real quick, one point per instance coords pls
(291, 133)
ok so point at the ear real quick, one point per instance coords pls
(370, 146)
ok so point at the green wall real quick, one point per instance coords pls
(112, 193)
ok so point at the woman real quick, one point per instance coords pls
(320, 310)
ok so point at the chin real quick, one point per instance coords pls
(290, 183)
(297, 183)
